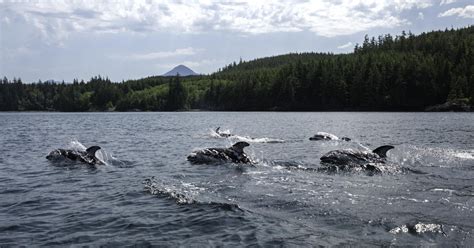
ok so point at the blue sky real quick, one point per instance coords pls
(63, 40)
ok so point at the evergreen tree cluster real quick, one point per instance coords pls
(405, 72)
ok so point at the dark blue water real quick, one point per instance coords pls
(148, 194)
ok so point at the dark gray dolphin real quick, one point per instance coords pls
(224, 135)
(87, 156)
(355, 160)
(327, 136)
(234, 154)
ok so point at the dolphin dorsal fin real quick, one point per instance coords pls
(239, 146)
(91, 150)
(382, 151)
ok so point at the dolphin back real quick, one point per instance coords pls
(382, 151)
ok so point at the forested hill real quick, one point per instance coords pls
(431, 43)
(404, 72)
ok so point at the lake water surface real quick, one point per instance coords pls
(149, 194)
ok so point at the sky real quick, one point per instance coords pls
(63, 40)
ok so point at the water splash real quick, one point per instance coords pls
(226, 133)
(411, 155)
(76, 145)
(213, 133)
(102, 154)
(464, 155)
(256, 140)
(418, 228)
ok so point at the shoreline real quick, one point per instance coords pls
(237, 111)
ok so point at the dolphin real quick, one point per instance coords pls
(327, 136)
(234, 154)
(87, 156)
(224, 135)
(355, 160)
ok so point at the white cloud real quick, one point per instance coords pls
(165, 54)
(347, 45)
(19, 51)
(421, 16)
(203, 62)
(466, 12)
(57, 19)
(445, 2)
(6, 20)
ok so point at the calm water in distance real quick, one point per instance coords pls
(148, 194)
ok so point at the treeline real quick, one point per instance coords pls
(405, 72)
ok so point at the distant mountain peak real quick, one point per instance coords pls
(182, 70)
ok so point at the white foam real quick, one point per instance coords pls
(257, 140)
(421, 228)
(450, 191)
(431, 156)
(418, 228)
(247, 139)
(464, 155)
(401, 229)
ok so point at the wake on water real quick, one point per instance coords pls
(403, 159)
(415, 156)
(184, 193)
(248, 139)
